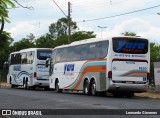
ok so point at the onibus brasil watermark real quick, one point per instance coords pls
(21, 112)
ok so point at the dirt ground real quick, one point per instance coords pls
(153, 95)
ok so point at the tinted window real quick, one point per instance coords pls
(43, 54)
(130, 45)
(16, 58)
(102, 49)
(64, 54)
(30, 57)
(73, 53)
(92, 51)
(24, 58)
(58, 55)
(84, 52)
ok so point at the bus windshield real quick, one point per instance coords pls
(130, 45)
(44, 54)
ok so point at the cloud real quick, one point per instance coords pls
(22, 29)
(139, 26)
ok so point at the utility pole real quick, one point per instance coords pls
(69, 22)
(101, 29)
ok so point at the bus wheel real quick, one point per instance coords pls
(118, 95)
(93, 88)
(12, 86)
(129, 95)
(57, 88)
(86, 89)
(25, 85)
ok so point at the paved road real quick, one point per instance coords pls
(19, 98)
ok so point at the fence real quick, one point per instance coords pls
(157, 76)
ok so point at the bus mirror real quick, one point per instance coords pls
(47, 62)
(6, 65)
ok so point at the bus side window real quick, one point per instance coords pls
(102, 49)
(58, 55)
(53, 57)
(64, 55)
(84, 52)
(24, 58)
(30, 57)
(73, 53)
(16, 58)
(92, 51)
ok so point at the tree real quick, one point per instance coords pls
(44, 42)
(60, 28)
(154, 57)
(5, 43)
(80, 35)
(4, 5)
(22, 44)
(31, 37)
(129, 34)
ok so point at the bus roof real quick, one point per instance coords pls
(31, 49)
(85, 41)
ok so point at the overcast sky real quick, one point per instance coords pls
(145, 23)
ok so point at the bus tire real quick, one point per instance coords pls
(12, 86)
(25, 85)
(57, 88)
(93, 88)
(86, 89)
(129, 95)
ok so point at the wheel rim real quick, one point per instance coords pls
(86, 89)
(94, 88)
(57, 87)
(24, 85)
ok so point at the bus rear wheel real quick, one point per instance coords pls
(25, 84)
(86, 89)
(93, 88)
(12, 86)
(129, 95)
(58, 90)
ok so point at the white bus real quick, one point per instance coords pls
(119, 65)
(27, 68)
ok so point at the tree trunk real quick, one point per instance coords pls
(2, 25)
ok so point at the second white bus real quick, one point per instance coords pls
(119, 65)
(27, 68)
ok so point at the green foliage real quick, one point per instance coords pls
(22, 44)
(129, 34)
(5, 41)
(154, 57)
(44, 42)
(60, 28)
(62, 40)
(4, 5)
(80, 35)
(31, 37)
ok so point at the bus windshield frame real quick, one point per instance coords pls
(130, 45)
(44, 54)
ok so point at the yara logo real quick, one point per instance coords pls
(130, 45)
(68, 68)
